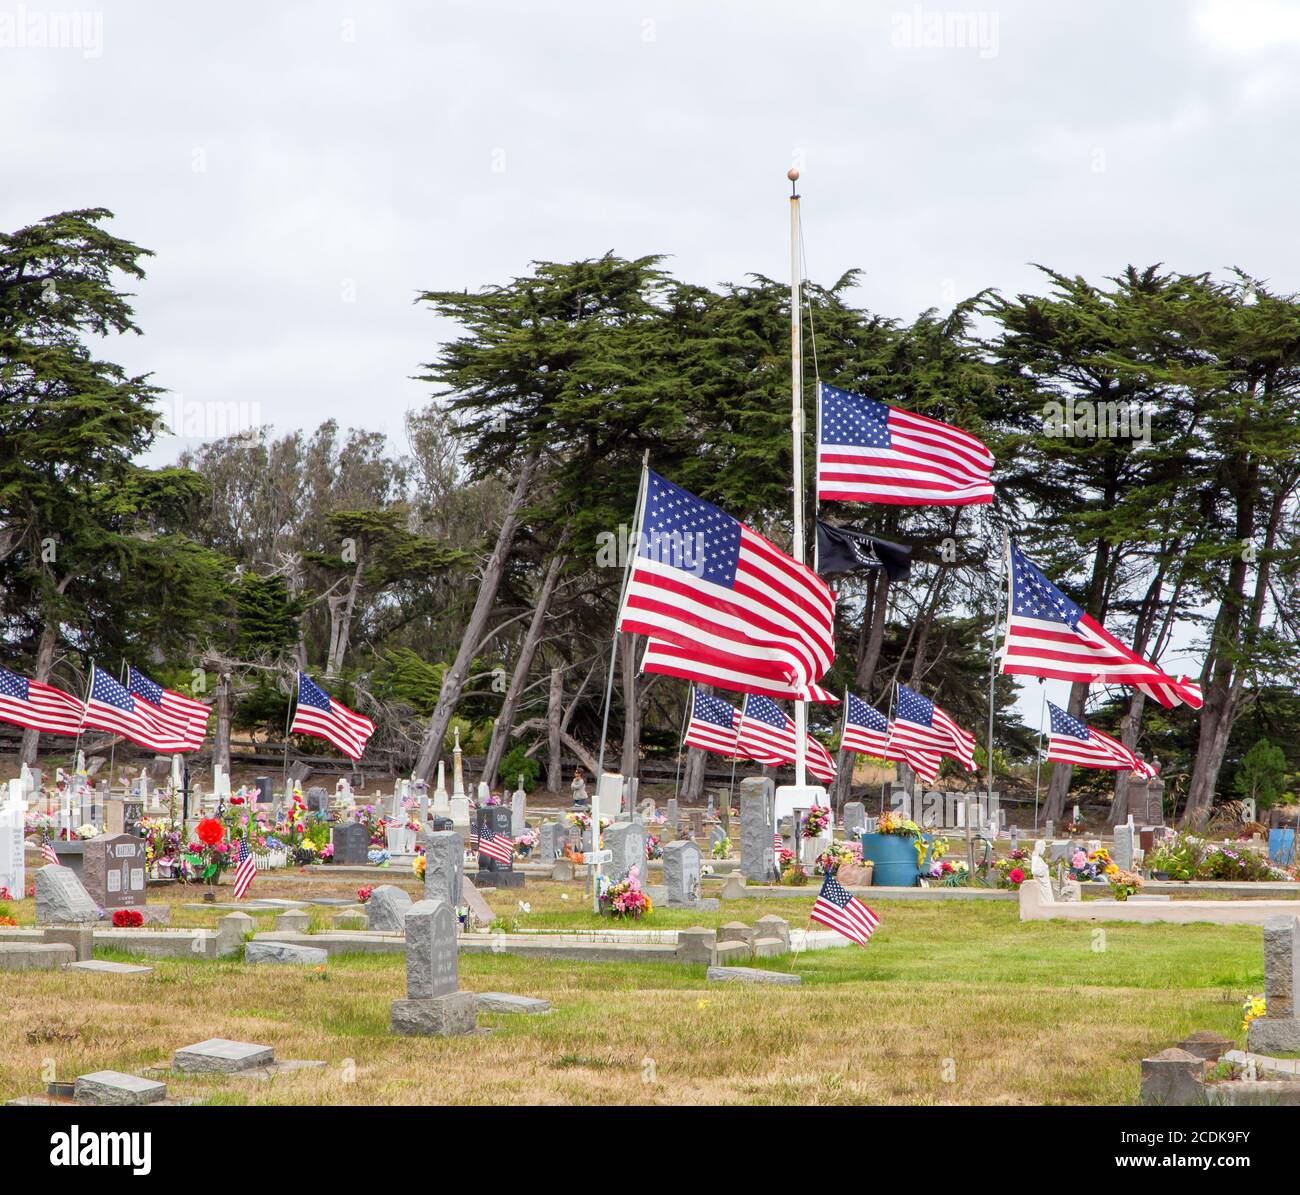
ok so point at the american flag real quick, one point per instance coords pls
(245, 869)
(110, 707)
(837, 908)
(766, 734)
(866, 729)
(1048, 635)
(924, 763)
(48, 852)
(1073, 741)
(712, 726)
(721, 604)
(317, 714)
(186, 716)
(41, 707)
(777, 844)
(672, 660)
(496, 846)
(920, 726)
(870, 452)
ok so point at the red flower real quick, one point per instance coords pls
(210, 831)
(128, 918)
(1016, 876)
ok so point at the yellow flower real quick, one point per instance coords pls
(1112, 870)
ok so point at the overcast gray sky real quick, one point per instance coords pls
(301, 171)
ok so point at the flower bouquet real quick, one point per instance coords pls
(1123, 884)
(654, 846)
(417, 866)
(720, 849)
(626, 899)
(1090, 866)
(207, 857)
(816, 822)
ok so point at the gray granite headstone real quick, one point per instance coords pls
(351, 843)
(387, 908)
(318, 801)
(518, 812)
(682, 873)
(672, 813)
(444, 866)
(113, 871)
(855, 818)
(757, 827)
(717, 836)
(431, 950)
(61, 899)
(1124, 843)
(551, 838)
(626, 842)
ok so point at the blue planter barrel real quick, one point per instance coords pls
(894, 857)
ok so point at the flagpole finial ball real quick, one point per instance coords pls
(792, 174)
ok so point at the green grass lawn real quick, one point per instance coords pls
(952, 1002)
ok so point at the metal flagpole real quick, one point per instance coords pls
(993, 671)
(796, 428)
(1038, 762)
(690, 701)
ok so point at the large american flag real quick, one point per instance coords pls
(870, 452)
(1073, 741)
(1048, 635)
(721, 604)
(866, 729)
(712, 726)
(186, 716)
(110, 707)
(36, 706)
(495, 846)
(922, 727)
(318, 714)
(245, 869)
(766, 734)
(843, 912)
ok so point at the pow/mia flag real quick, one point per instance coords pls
(840, 550)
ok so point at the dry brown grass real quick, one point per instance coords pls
(951, 1003)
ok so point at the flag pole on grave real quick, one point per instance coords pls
(796, 429)
(993, 668)
(632, 547)
(1038, 753)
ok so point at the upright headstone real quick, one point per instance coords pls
(672, 813)
(757, 828)
(855, 818)
(351, 843)
(626, 842)
(13, 818)
(441, 800)
(318, 801)
(420, 790)
(494, 820)
(682, 874)
(343, 792)
(113, 871)
(434, 1005)
(1278, 1030)
(459, 798)
(518, 810)
(444, 866)
(551, 838)
(1125, 842)
(1155, 802)
(717, 836)
(387, 909)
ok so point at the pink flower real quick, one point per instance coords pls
(1079, 859)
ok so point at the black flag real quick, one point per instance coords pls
(840, 550)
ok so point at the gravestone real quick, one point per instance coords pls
(434, 1005)
(717, 836)
(264, 795)
(757, 827)
(441, 801)
(13, 825)
(113, 871)
(444, 867)
(672, 813)
(387, 908)
(60, 898)
(518, 811)
(318, 801)
(682, 874)
(1278, 1031)
(626, 843)
(351, 843)
(493, 873)
(1125, 842)
(551, 838)
(855, 819)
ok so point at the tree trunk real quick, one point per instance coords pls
(870, 657)
(44, 663)
(221, 736)
(1129, 726)
(453, 680)
(627, 651)
(693, 775)
(341, 612)
(554, 712)
(519, 678)
(1058, 787)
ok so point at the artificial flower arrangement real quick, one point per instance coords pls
(1123, 884)
(525, 843)
(127, 918)
(627, 899)
(834, 856)
(87, 831)
(792, 873)
(207, 857)
(721, 849)
(1073, 827)
(654, 846)
(1013, 868)
(1090, 866)
(1252, 1008)
(816, 822)
(951, 875)
(162, 843)
(377, 857)
(417, 866)
(364, 892)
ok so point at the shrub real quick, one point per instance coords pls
(515, 764)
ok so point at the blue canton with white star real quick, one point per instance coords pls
(1063, 723)
(912, 707)
(13, 685)
(862, 714)
(684, 531)
(713, 710)
(107, 690)
(764, 709)
(146, 688)
(311, 694)
(1034, 596)
(853, 420)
